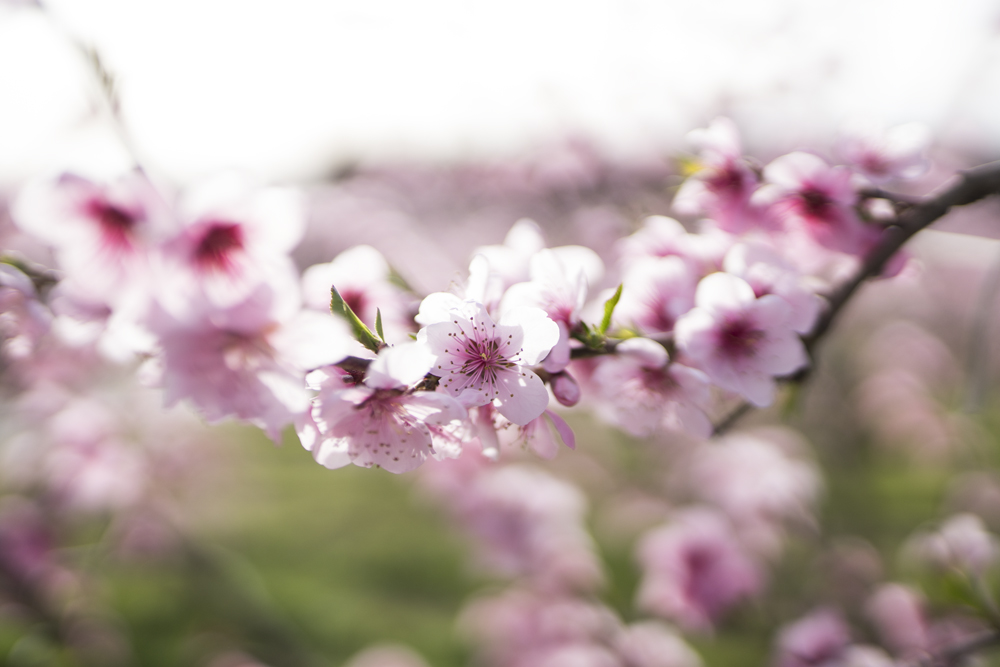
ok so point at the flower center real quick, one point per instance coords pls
(815, 203)
(739, 338)
(217, 245)
(116, 224)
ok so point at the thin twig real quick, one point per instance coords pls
(968, 187)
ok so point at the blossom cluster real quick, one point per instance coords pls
(200, 285)
(656, 333)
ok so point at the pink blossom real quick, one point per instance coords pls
(233, 239)
(860, 655)
(741, 342)
(362, 277)
(653, 644)
(722, 187)
(962, 542)
(529, 524)
(248, 360)
(884, 155)
(544, 434)
(480, 361)
(656, 292)
(768, 273)
(816, 200)
(661, 236)
(817, 640)
(383, 422)
(559, 282)
(522, 628)
(755, 481)
(103, 234)
(386, 656)
(511, 259)
(643, 392)
(484, 286)
(90, 467)
(694, 570)
(898, 614)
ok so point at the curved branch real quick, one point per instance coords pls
(968, 187)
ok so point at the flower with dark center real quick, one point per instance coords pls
(480, 361)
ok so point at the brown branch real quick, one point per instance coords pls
(968, 187)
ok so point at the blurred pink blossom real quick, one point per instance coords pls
(642, 391)
(722, 186)
(819, 639)
(813, 199)
(898, 614)
(381, 422)
(695, 570)
(739, 341)
(884, 155)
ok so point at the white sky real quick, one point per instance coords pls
(288, 89)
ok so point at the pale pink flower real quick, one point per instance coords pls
(962, 542)
(362, 277)
(861, 655)
(233, 239)
(741, 342)
(523, 628)
(89, 466)
(817, 640)
(484, 286)
(884, 155)
(656, 292)
(386, 655)
(898, 614)
(544, 435)
(653, 644)
(767, 272)
(722, 187)
(249, 361)
(560, 278)
(755, 481)
(811, 198)
(643, 392)
(511, 259)
(694, 570)
(661, 236)
(383, 422)
(480, 361)
(529, 524)
(103, 234)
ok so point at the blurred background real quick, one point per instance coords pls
(298, 89)
(426, 129)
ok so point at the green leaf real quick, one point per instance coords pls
(609, 309)
(364, 335)
(378, 324)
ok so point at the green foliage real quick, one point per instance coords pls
(361, 332)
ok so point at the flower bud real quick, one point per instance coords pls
(565, 389)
